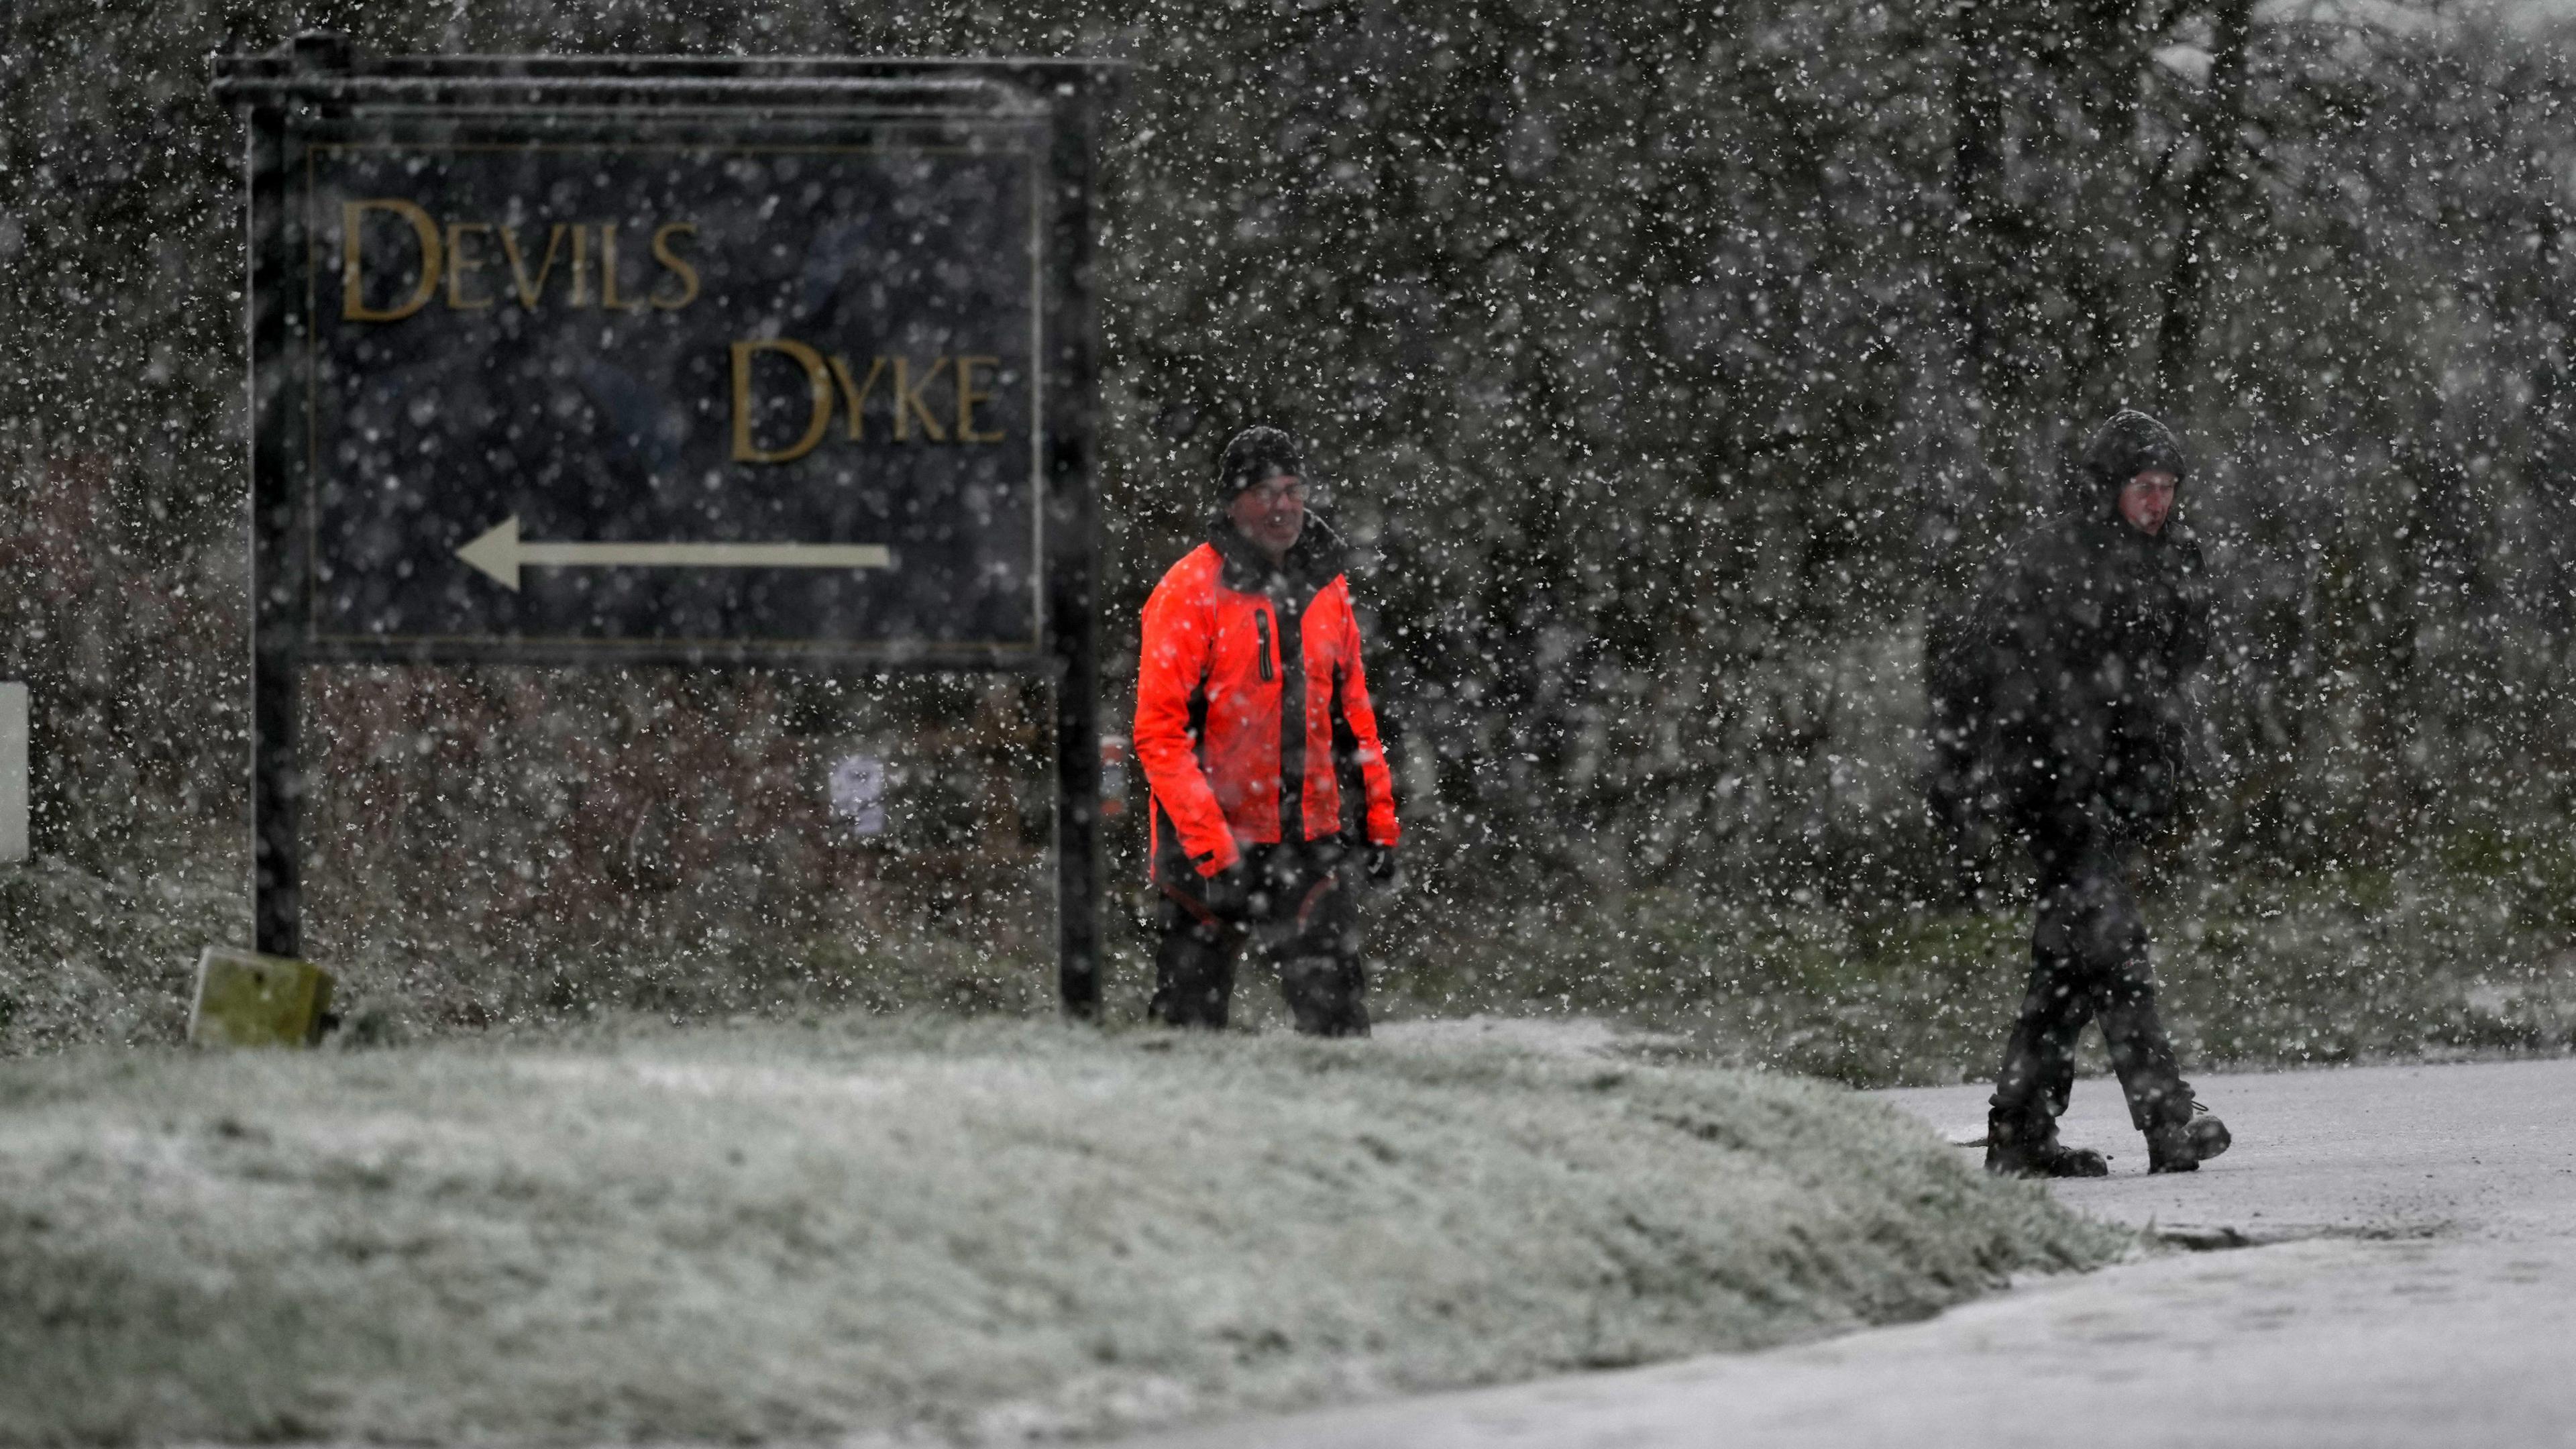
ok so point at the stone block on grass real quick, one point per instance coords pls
(245, 999)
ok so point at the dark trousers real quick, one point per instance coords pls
(1302, 920)
(2088, 952)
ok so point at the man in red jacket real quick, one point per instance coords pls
(1251, 711)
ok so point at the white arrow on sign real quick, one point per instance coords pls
(500, 553)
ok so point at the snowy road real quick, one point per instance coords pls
(2414, 1283)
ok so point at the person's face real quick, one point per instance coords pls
(1271, 514)
(2146, 499)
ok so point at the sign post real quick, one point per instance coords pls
(16, 783)
(582, 361)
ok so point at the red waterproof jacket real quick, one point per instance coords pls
(1237, 735)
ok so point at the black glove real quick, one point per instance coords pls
(1381, 867)
(1228, 893)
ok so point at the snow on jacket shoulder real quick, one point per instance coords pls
(1225, 714)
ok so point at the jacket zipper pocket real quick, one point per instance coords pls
(1261, 621)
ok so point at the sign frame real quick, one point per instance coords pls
(319, 87)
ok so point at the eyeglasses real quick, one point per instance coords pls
(1278, 490)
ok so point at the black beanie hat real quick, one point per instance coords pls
(2129, 444)
(1257, 455)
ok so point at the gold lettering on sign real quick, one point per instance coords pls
(671, 262)
(462, 263)
(456, 253)
(968, 395)
(831, 380)
(529, 289)
(818, 379)
(908, 404)
(353, 293)
(581, 266)
(608, 298)
(855, 397)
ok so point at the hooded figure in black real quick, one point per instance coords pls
(2062, 703)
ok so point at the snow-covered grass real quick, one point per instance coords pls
(2460, 952)
(854, 1228)
(2442, 958)
(86, 957)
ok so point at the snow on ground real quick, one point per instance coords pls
(1569, 1036)
(2417, 1289)
(963, 1231)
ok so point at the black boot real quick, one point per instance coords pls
(2183, 1146)
(2021, 1146)
(1324, 995)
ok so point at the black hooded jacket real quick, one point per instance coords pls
(2058, 708)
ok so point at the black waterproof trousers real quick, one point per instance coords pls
(1301, 918)
(2088, 953)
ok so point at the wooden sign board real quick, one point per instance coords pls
(586, 360)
